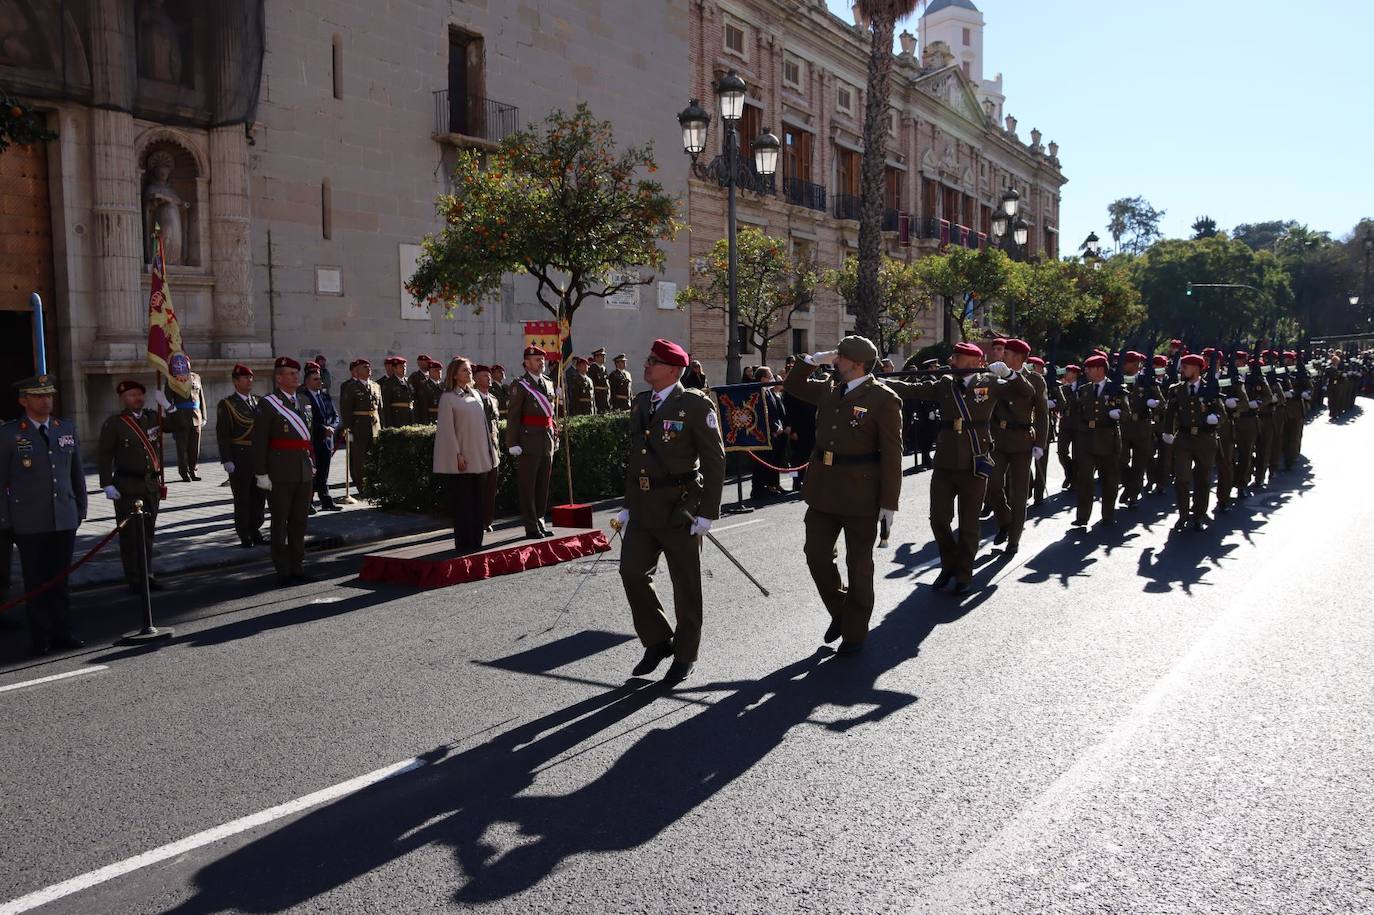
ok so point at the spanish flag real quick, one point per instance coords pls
(164, 333)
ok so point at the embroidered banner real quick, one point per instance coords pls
(743, 417)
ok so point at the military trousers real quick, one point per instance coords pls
(250, 502)
(851, 606)
(1107, 468)
(1162, 468)
(639, 554)
(964, 489)
(1008, 489)
(1247, 435)
(1277, 438)
(131, 541)
(290, 503)
(1039, 473)
(187, 438)
(1292, 435)
(1064, 448)
(1226, 463)
(41, 558)
(320, 485)
(1264, 440)
(1194, 458)
(532, 473)
(1137, 453)
(359, 443)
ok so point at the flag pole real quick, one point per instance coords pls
(161, 420)
(560, 396)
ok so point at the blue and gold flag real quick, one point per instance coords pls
(743, 417)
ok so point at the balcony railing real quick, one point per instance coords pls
(948, 233)
(804, 194)
(847, 206)
(474, 116)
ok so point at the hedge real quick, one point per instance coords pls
(399, 466)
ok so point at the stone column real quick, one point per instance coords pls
(230, 246)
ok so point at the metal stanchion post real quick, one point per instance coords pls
(348, 459)
(740, 507)
(149, 632)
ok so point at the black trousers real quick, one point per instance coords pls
(322, 458)
(250, 503)
(290, 507)
(42, 556)
(467, 501)
(129, 536)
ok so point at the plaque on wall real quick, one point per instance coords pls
(328, 281)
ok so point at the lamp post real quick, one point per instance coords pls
(1368, 245)
(1092, 250)
(729, 171)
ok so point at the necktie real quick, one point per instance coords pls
(43, 429)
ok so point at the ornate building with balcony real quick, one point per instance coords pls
(952, 153)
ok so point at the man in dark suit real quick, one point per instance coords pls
(324, 431)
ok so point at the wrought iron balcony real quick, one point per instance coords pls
(848, 206)
(804, 194)
(473, 118)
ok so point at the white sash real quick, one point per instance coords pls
(539, 397)
(290, 416)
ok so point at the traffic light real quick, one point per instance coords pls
(1190, 289)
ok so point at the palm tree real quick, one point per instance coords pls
(880, 18)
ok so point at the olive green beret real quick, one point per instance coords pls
(858, 349)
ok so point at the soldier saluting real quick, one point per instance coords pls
(129, 460)
(234, 418)
(676, 469)
(1020, 435)
(854, 481)
(1191, 416)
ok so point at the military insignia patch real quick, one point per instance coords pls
(66, 441)
(980, 395)
(27, 462)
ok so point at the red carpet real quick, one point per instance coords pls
(432, 565)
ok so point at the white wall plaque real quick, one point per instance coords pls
(625, 299)
(328, 281)
(667, 296)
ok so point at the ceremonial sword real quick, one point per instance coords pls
(728, 555)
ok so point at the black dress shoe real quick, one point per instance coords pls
(284, 580)
(832, 632)
(1198, 524)
(1010, 550)
(1079, 522)
(678, 671)
(67, 644)
(247, 544)
(654, 655)
(332, 507)
(963, 587)
(944, 578)
(1181, 524)
(533, 534)
(849, 648)
(194, 477)
(39, 649)
(185, 478)
(259, 540)
(548, 532)
(1001, 535)
(312, 510)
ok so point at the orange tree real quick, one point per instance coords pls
(903, 299)
(560, 204)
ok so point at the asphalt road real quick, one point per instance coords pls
(1117, 721)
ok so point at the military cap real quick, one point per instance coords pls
(599, 351)
(479, 369)
(242, 371)
(1036, 360)
(1289, 354)
(38, 384)
(1097, 360)
(286, 362)
(620, 357)
(1133, 356)
(968, 349)
(1018, 346)
(669, 353)
(129, 384)
(858, 349)
(1195, 359)
(579, 360)
(1000, 341)
(1176, 343)
(534, 351)
(497, 367)
(398, 360)
(357, 362)
(389, 360)
(422, 359)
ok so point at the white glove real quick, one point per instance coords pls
(264, 482)
(825, 358)
(1168, 438)
(1306, 395)
(161, 400)
(1000, 370)
(1231, 403)
(1151, 403)
(887, 516)
(1213, 419)
(1114, 413)
(622, 518)
(1037, 453)
(1287, 395)
(228, 466)
(516, 450)
(1254, 405)
(1053, 404)
(933, 415)
(700, 526)
(111, 493)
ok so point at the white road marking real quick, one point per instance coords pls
(208, 837)
(731, 527)
(95, 668)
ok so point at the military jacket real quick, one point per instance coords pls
(42, 484)
(1139, 393)
(190, 410)
(1256, 388)
(599, 378)
(360, 405)
(427, 393)
(283, 422)
(620, 384)
(581, 395)
(1185, 413)
(529, 419)
(1021, 422)
(501, 391)
(234, 419)
(129, 453)
(676, 465)
(1063, 398)
(397, 402)
(980, 393)
(1094, 428)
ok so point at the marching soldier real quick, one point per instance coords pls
(1161, 465)
(1040, 466)
(672, 494)
(1250, 422)
(397, 408)
(499, 389)
(1226, 444)
(619, 382)
(1020, 434)
(1283, 388)
(1098, 407)
(1062, 402)
(1191, 416)
(428, 388)
(600, 379)
(129, 461)
(234, 418)
(1143, 397)
(962, 453)
(360, 404)
(581, 396)
(283, 465)
(1297, 411)
(42, 502)
(184, 401)
(531, 437)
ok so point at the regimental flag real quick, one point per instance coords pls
(164, 333)
(743, 417)
(565, 338)
(543, 334)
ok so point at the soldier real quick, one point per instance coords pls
(42, 501)
(184, 401)
(427, 387)
(672, 494)
(283, 465)
(416, 377)
(397, 408)
(963, 449)
(324, 431)
(1253, 425)
(1143, 397)
(531, 437)
(1020, 434)
(1297, 411)
(1161, 465)
(1098, 407)
(360, 404)
(600, 377)
(1061, 401)
(129, 461)
(326, 381)
(620, 383)
(1226, 443)
(481, 378)
(1040, 466)
(234, 418)
(499, 389)
(1282, 385)
(1191, 416)
(581, 396)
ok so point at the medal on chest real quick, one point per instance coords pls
(980, 394)
(858, 417)
(672, 429)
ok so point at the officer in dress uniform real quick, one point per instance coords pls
(42, 501)
(1143, 397)
(499, 389)
(672, 494)
(581, 395)
(620, 383)
(416, 377)
(360, 405)
(397, 407)
(1282, 384)
(1061, 401)
(963, 449)
(324, 431)
(1161, 465)
(1226, 442)
(1098, 407)
(854, 483)
(596, 371)
(184, 401)
(1191, 416)
(531, 437)
(1040, 465)
(428, 388)
(283, 466)
(234, 418)
(1020, 435)
(129, 461)
(481, 379)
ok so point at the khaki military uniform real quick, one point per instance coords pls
(501, 391)
(1138, 433)
(234, 418)
(1283, 387)
(129, 458)
(581, 396)
(954, 481)
(284, 451)
(1226, 446)
(184, 423)
(397, 403)
(1297, 418)
(620, 383)
(1195, 444)
(1019, 424)
(1063, 397)
(530, 424)
(1097, 446)
(600, 386)
(360, 405)
(1252, 429)
(676, 469)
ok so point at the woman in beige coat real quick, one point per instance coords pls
(464, 452)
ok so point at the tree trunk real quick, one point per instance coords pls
(872, 183)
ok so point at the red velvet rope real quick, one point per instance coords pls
(761, 461)
(48, 585)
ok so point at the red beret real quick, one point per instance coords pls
(481, 368)
(1161, 361)
(1133, 356)
(241, 371)
(129, 384)
(1000, 341)
(423, 359)
(1073, 368)
(312, 368)
(1036, 360)
(497, 367)
(534, 351)
(1097, 360)
(286, 362)
(1289, 354)
(1195, 359)
(669, 353)
(1208, 350)
(399, 360)
(357, 362)
(1175, 342)
(580, 360)
(1242, 356)
(435, 364)
(1018, 346)
(968, 349)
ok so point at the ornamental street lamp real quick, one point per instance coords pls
(1020, 232)
(730, 171)
(1011, 201)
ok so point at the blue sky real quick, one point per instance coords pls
(1243, 111)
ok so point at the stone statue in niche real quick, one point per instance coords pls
(164, 208)
(159, 44)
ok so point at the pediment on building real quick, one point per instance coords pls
(953, 88)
